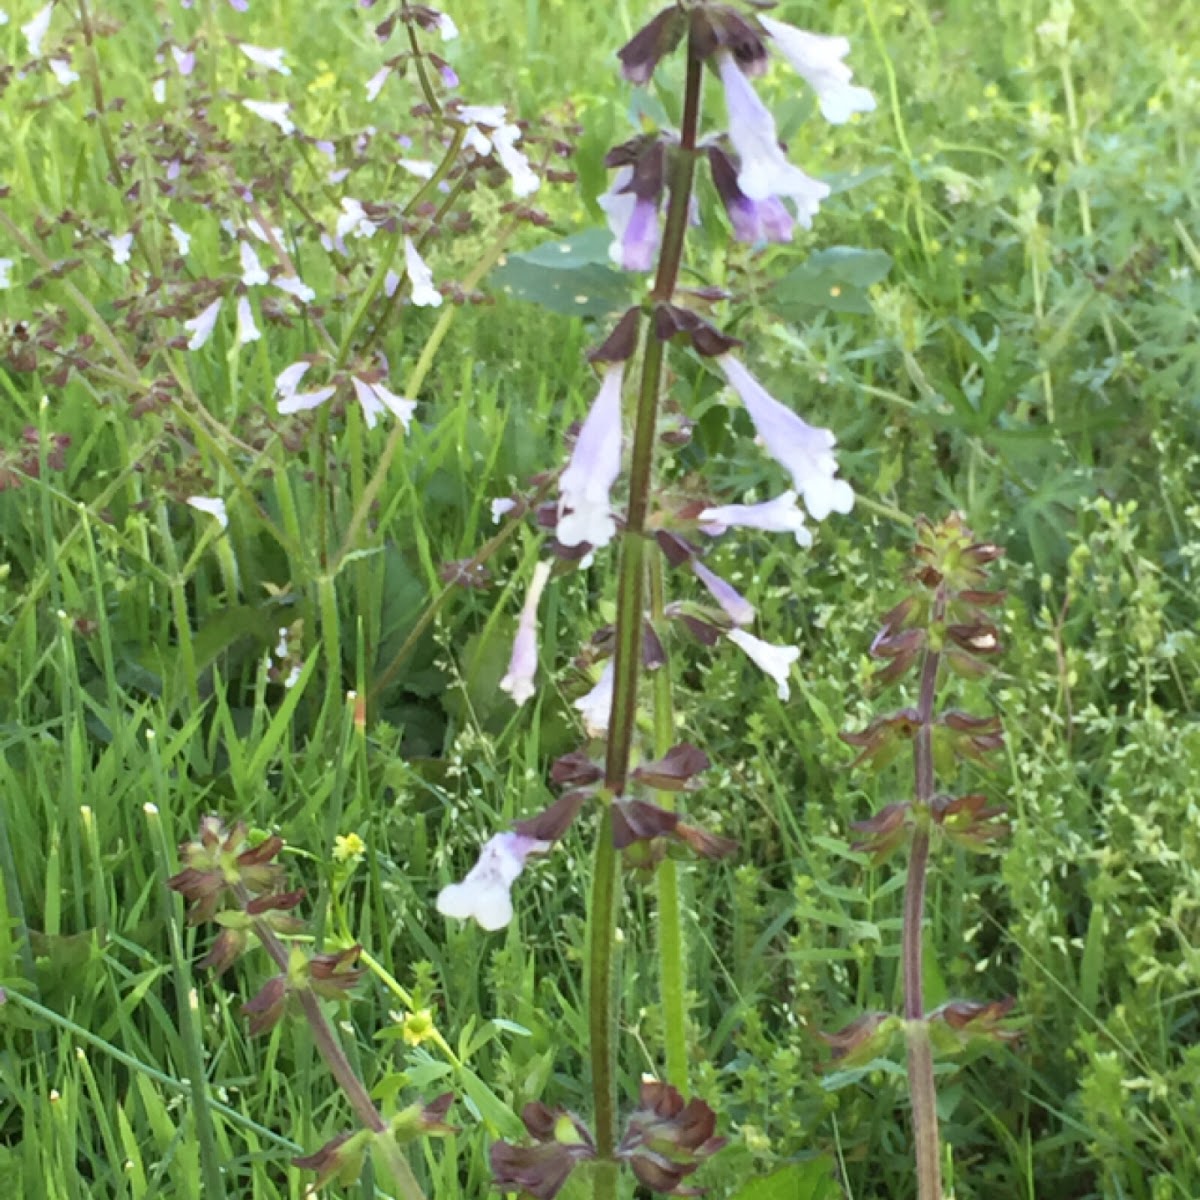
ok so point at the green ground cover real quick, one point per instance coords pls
(1029, 357)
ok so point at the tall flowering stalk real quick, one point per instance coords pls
(942, 629)
(635, 782)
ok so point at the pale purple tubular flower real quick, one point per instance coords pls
(775, 661)
(634, 224)
(239, 5)
(805, 450)
(446, 27)
(202, 325)
(584, 511)
(486, 892)
(354, 220)
(753, 221)
(596, 706)
(764, 171)
(375, 400)
(63, 72)
(522, 666)
(185, 60)
(737, 608)
(420, 278)
(247, 331)
(772, 516)
(817, 59)
(293, 401)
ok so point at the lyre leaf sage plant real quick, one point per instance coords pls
(941, 630)
(636, 781)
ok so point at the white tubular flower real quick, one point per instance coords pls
(202, 325)
(293, 401)
(504, 142)
(375, 400)
(185, 60)
(489, 115)
(486, 892)
(6, 266)
(272, 59)
(446, 27)
(183, 239)
(213, 505)
(354, 220)
(376, 82)
(501, 507)
(422, 168)
(633, 222)
(584, 511)
(772, 660)
(737, 608)
(275, 111)
(772, 516)
(764, 171)
(293, 285)
(121, 247)
(35, 30)
(522, 666)
(253, 274)
(806, 451)
(817, 59)
(420, 277)
(596, 706)
(247, 331)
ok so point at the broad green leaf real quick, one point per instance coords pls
(835, 279)
(573, 276)
(811, 1180)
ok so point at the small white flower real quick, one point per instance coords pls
(489, 115)
(522, 666)
(61, 68)
(446, 27)
(213, 505)
(120, 247)
(737, 608)
(3, 17)
(524, 180)
(477, 141)
(281, 647)
(354, 221)
(6, 266)
(268, 235)
(35, 30)
(485, 893)
(183, 239)
(275, 111)
(376, 82)
(596, 706)
(158, 89)
(292, 678)
(772, 516)
(201, 326)
(501, 508)
(584, 508)
(420, 277)
(772, 660)
(253, 274)
(375, 400)
(247, 331)
(818, 60)
(293, 285)
(422, 168)
(293, 401)
(272, 59)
